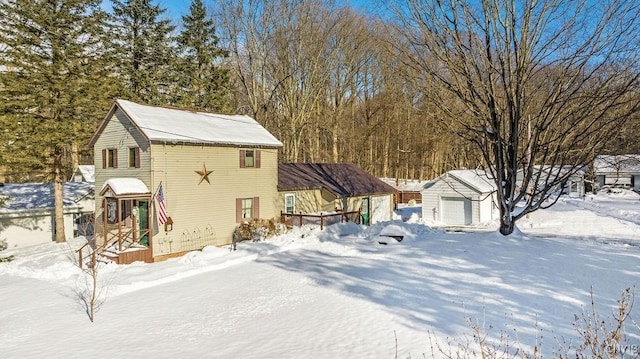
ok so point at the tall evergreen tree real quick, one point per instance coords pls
(53, 87)
(204, 84)
(146, 47)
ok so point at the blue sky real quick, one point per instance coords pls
(177, 8)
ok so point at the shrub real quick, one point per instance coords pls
(256, 230)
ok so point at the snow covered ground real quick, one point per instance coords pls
(337, 293)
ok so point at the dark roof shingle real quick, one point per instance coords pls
(340, 179)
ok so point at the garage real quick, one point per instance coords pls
(456, 210)
(459, 198)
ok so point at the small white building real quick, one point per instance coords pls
(27, 217)
(84, 173)
(617, 171)
(460, 198)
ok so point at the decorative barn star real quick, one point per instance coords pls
(204, 174)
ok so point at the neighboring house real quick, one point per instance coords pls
(617, 171)
(170, 181)
(459, 197)
(27, 217)
(574, 185)
(326, 187)
(84, 173)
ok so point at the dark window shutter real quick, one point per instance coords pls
(137, 157)
(115, 158)
(104, 158)
(257, 158)
(238, 210)
(255, 208)
(242, 156)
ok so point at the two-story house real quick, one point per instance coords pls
(170, 181)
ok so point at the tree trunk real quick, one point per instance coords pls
(58, 196)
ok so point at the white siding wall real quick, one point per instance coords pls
(29, 228)
(487, 208)
(381, 208)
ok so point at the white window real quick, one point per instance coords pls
(247, 208)
(289, 203)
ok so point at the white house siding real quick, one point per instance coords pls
(487, 207)
(31, 227)
(121, 134)
(432, 199)
(205, 213)
(381, 208)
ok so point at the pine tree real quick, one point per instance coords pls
(146, 50)
(203, 83)
(54, 83)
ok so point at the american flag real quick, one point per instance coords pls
(162, 206)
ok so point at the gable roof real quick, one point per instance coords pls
(87, 172)
(172, 125)
(475, 179)
(617, 164)
(28, 196)
(339, 179)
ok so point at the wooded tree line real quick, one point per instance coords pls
(411, 91)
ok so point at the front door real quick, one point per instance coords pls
(143, 221)
(365, 211)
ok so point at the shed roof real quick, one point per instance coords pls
(476, 179)
(27, 196)
(339, 179)
(172, 125)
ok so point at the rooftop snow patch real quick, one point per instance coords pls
(161, 124)
(121, 186)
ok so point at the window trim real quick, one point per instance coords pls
(256, 158)
(240, 209)
(110, 158)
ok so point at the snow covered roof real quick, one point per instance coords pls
(161, 124)
(406, 185)
(617, 164)
(87, 171)
(476, 179)
(122, 186)
(26, 196)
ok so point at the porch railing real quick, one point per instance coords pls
(123, 239)
(323, 218)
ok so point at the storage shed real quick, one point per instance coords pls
(459, 198)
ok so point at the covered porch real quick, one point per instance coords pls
(126, 234)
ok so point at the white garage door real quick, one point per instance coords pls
(456, 210)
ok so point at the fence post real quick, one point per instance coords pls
(321, 220)
(300, 219)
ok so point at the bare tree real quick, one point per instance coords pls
(539, 87)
